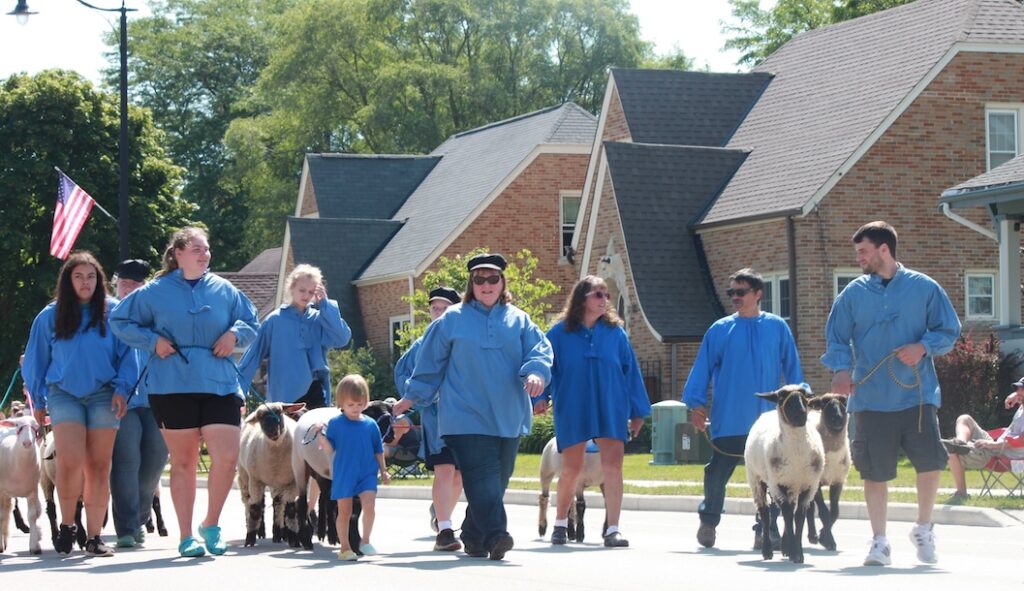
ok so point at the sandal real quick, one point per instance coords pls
(190, 548)
(211, 534)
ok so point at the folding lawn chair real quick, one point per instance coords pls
(1000, 473)
(405, 461)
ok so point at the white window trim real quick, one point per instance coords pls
(852, 272)
(775, 280)
(391, 330)
(1018, 111)
(994, 275)
(562, 222)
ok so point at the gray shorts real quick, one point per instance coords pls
(879, 436)
(978, 458)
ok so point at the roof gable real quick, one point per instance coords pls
(260, 288)
(686, 108)
(365, 186)
(268, 261)
(661, 191)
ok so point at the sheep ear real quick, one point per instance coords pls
(8, 423)
(772, 396)
(816, 403)
(294, 410)
(251, 419)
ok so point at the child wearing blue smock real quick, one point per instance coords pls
(358, 450)
(294, 340)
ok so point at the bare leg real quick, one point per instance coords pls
(876, 496)
(612, 452)
(344, 514)
(965, 426)
(572, 463)
(927, 489)
(956, 468)
(183, 450)
(368, 500)
(71, 455)
(222, 441)
(99, 447)
(446, 490)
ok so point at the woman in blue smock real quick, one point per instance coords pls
(80, 372)
(294, 340)
(191, 320)
(598, 393)
(482, 360)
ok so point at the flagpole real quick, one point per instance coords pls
(94, 202)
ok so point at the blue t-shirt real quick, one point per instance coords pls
(356, 444)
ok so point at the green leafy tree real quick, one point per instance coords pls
(530, 294)
(57, 118)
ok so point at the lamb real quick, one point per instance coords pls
(829, 418)
(265, 460)
(784, 458)
(591, 475)
(19, 476)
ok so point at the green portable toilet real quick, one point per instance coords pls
(665, 416)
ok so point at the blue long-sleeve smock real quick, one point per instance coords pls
(81, 365)
(141, 397)
(870, 320)
(193, 318)
(431, 442)
(740, 357)
(296, 346)
(474, 362)
(596, 385)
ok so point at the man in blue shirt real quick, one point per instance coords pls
(885, 328)
(742, 354)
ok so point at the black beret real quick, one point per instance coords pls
(133, 269)
(445, 293)
(487, 261)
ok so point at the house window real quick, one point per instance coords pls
(841, 278)
(1003, 134)
(776, 295)
(569, 210)
(980, 294)
(397, 322)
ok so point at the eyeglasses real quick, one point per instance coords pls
(601, 295)
(739, 291)
(480, 279)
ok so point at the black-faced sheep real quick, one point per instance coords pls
(265, 461)
(828, 416)
(784, 458)
(20, 468)
(590, 475)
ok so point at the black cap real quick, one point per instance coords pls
(487, 261)
(444, 293)
(1019, 383)
(133, 269)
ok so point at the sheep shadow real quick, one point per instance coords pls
(775, 565)
(871, 571)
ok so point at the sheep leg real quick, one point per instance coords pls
(277, 513)
(80, 535)
(571, 526)
(19, 522)
(834, 492)
(261, 529)
(161, 527)
(5, 521)
(581, 508)
(543, 499)
(291, 522)
(827, 540)
(764, 514)
(788, 514)
(354, 538)
(812, 530)
(51, 516)
(302, 514)
(35, 511)
(604, 528)
(797, 551)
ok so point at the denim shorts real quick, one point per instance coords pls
(92, 410)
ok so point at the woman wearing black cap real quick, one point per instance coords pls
(482, 361)
(447, 479)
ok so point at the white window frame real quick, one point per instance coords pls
(1017, 110)
(564, 224)
(404, 318)
(981, 273)
(775, 281)
(850, 273)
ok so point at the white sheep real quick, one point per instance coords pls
(19, 476)
(590, 475)
(828, 416)
(265, 460)
(784, 458)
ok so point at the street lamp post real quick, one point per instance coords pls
(22, 12)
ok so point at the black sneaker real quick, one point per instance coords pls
(446, 541)
(501, 545)
(615, 540)
(65, 539)
(957, 446)
(706, 535)
(96, 547)
(560, 535)
(474, 551)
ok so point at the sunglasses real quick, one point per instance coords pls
(480, 279)
(740, 291)
(601, 295)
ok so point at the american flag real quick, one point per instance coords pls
(73, 207)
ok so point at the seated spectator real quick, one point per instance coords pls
(973, 447)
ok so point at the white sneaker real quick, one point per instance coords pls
(923, 537)
(880, 553)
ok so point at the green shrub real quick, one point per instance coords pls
(543, 429)
(975, 378)
(379, 374)
(641, 444)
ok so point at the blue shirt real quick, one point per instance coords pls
(296, 346)
(740, 357)
(193, 318)
(141, 397)
(81, 365)
(431, 442)
(870, 320)
(356, 444)
(474, 362)
(596, 385)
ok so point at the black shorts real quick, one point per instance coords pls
(879, 437)
(191, 410)
(314, 397)
(440, 459)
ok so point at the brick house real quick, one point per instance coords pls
(695, 175)
(375, 223)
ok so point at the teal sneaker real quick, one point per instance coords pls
(211, 534)
(191, 548)
(140, 536)
(126, 542)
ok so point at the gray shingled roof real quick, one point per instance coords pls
(365, 186)
(834, 86)
(1008, 173)
(268, 261)
(472, 165)
(686, 108)
(661, 191)
(341, 248)
(260, 288)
